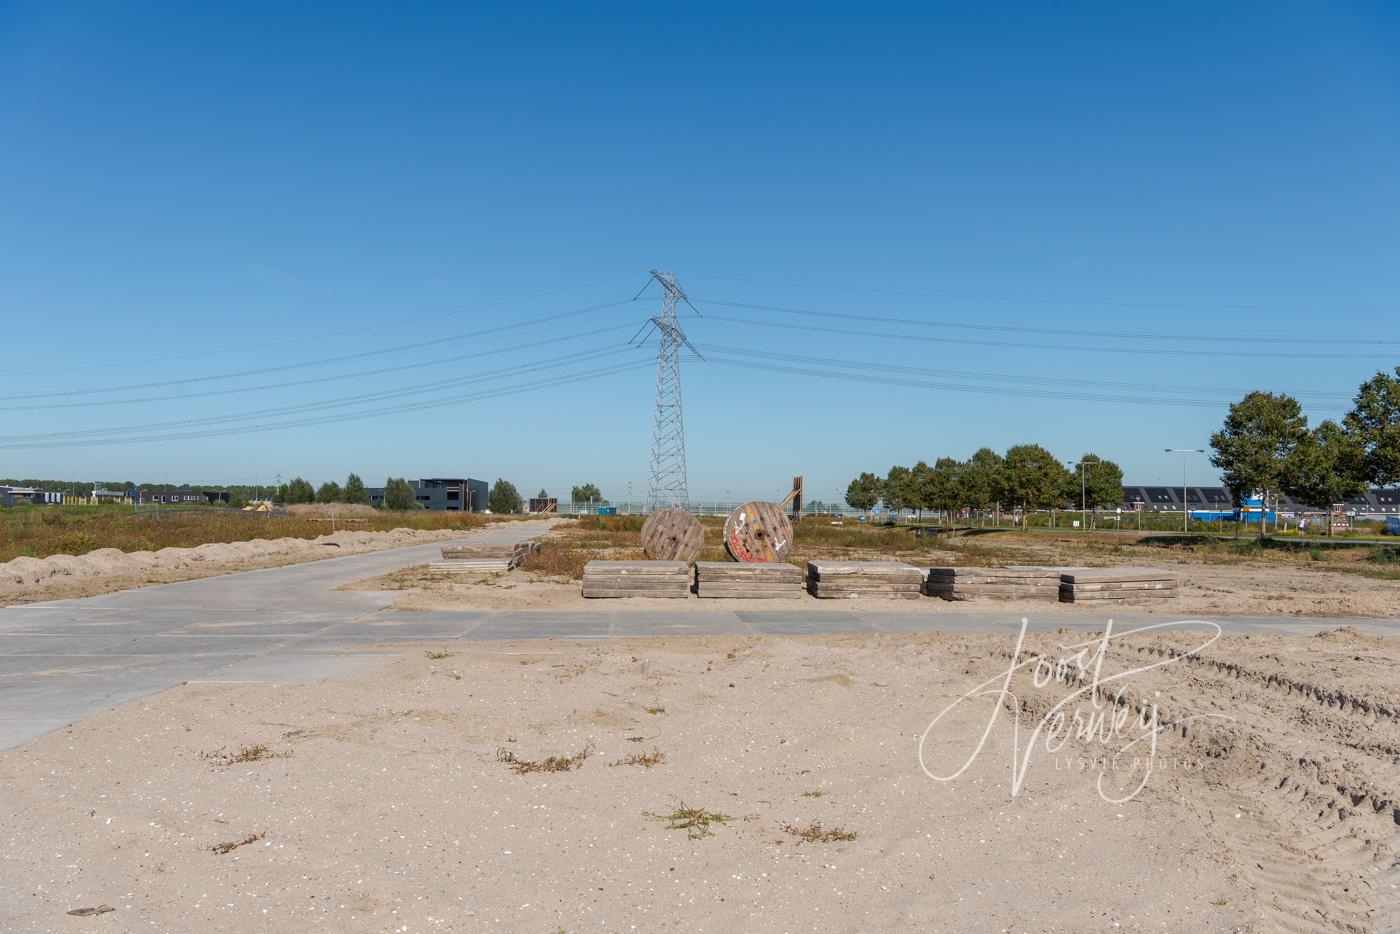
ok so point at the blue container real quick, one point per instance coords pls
(1392, 525)
(607, 510)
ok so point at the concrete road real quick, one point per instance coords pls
(68, 659)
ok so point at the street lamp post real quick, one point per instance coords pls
(1084, 493)
(1185, 511)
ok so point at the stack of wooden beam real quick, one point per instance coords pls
(482, 558)
(756, 581)
(1006, 582)
(636, 579)
(1078, 585)
(839, 579)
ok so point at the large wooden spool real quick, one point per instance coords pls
(672, 535)
(758, 533)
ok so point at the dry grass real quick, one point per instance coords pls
(40, 531)
(816, 833)
(258, 753)
(551, 764)
(435, 656)
(231, 845)
(644, 759)
(694, 821)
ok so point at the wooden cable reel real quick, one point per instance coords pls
(672, 535)
(758, 533)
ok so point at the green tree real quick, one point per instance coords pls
(237, 499)
(1327, 467)
(329, 492)
(504, 498)
(586, 493)
(1255, 447)
(897, 490)
(944, 489)
(281, 495)
(398, 495)
(354, 491)
(1100, 485)
(982, 479)
(542, 494)
(920, 488)
(1033, 478)
(1374, 423)
(300, 491)
(863, 492)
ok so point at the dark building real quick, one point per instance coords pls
(442, 493)
(1218, 499)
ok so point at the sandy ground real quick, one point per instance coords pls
(385, 807)
(1206, 590)
(60, 577)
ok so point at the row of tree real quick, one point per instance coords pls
(1267, 448)
(1027, 475)
(299, 490)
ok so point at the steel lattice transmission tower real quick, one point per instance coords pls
(668, 485)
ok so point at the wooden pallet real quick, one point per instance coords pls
(849, 579)
(660, 579)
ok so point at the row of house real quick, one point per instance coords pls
(1376, 502)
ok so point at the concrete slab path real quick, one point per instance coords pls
(67, 659)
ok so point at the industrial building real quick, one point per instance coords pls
(458, 494)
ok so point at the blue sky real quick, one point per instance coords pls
(191, 190)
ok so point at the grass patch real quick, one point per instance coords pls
(655, 710)
(229, 846)
(816, 833)
(814, 793)
(551, 764)
(257, 753)
(694, 821)
(435, 656)
(645, 759)
(40, 531)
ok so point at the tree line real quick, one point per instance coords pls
(1026, 476)
(1266, 447)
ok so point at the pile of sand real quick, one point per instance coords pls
(108, 569)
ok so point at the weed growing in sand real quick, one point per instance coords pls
(231, 845)
(694, 821)
(816, 833)
(439, 655)
(814, 793)
(655, 710)
(552, 764)
(256, 753)
(645, 759)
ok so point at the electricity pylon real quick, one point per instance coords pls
(668, 487)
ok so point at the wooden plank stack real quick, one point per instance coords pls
(1005, 583)
(636, 579)
(733, 579)
(849, 579)
(482, 558)
(1080, 585)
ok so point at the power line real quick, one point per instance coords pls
(1201, 306)
(321, 362)
(338, 332)
(319, 379)
(957, 387)
(1000, 377)
(330, 403)
(348, 416)
(1155, 351)
(1055, 332)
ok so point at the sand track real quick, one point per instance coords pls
(1303, 788)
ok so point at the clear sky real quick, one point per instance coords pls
(192, 190)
